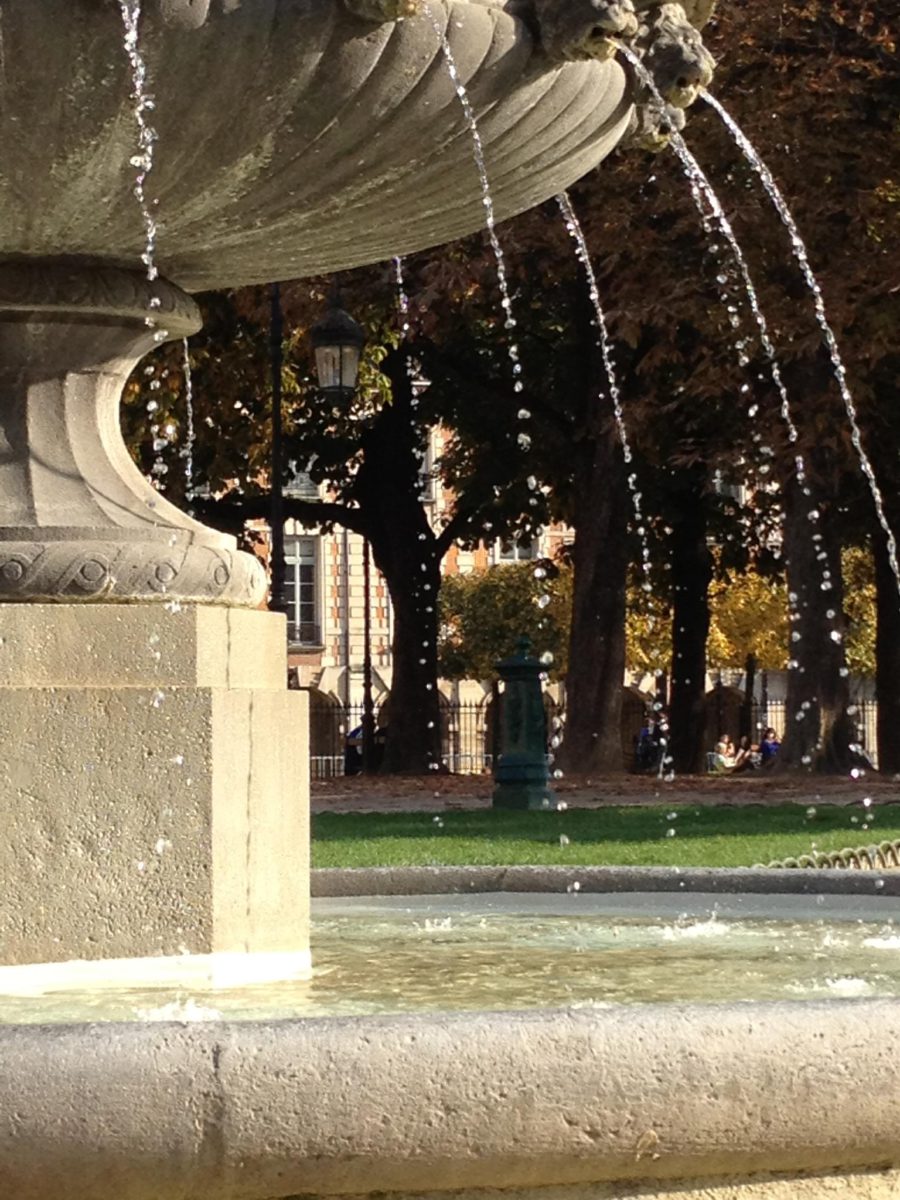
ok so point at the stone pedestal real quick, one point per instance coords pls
(78, 521)
(153, 783)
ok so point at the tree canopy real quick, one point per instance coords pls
(814, 85)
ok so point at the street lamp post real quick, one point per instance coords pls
(278, 599)
(337, 342)
(368, 721)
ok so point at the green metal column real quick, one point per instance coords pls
(521, 772)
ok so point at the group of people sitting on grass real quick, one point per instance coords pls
(728, 759)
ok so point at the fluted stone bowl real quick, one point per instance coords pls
(289, 137)
(293, 137)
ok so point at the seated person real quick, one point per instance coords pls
(647, 750)
(724, 758)
(769, 747)
(748, 756)
(353, 758)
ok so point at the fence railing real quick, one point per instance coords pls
(468, 741)
(467, 738)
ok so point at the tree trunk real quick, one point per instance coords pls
(887, 657)
(747, 729)
(691, 577)
(413, 744)
(819, 731)
(594, 681)
(404, 549)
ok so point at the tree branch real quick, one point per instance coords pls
(235, 511)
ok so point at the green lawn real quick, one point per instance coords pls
(703, 837)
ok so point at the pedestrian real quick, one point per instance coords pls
(769, 747)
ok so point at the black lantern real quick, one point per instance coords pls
(337, 341)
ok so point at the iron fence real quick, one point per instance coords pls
(468, 731)
(467, 738)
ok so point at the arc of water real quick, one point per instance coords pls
(512, 348)
(403, 312)
(190, 433)
(402, 297)
(575, 231)
(703, 192)
(142, 161)
(799, 251)
(524, 437)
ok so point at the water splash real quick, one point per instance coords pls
(183, 1009)
(187, 452)
(575, 231)
(840, 373)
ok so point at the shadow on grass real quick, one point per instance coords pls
(610, 824)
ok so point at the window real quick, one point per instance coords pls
(300, 590)
(514, 550)
(427, 478)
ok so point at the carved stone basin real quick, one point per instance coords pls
(293, 136)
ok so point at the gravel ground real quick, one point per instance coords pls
(447, 792)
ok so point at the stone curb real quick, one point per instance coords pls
(412, 881)
(430, 1104)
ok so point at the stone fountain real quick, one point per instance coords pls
(143, 693)
(154, 790)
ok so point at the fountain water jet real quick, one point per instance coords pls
(798, 249)
(703, 192)
(573, 227)
(187, 452)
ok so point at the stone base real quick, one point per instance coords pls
(153, 792)
(534, 793)
(523, 796)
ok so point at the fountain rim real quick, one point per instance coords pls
(359, 882)
(656, 1092)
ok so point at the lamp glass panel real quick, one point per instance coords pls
(328, 366)
(349, 365)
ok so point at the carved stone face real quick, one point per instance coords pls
(676, 57)
(582, 29)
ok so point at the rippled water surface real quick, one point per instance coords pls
(418, 954)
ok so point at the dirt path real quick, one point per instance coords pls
(447, 792)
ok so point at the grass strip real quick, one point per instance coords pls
(679, 835)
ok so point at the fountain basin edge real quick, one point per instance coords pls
(789, 1100)
(709, 1096)
(415, 881)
